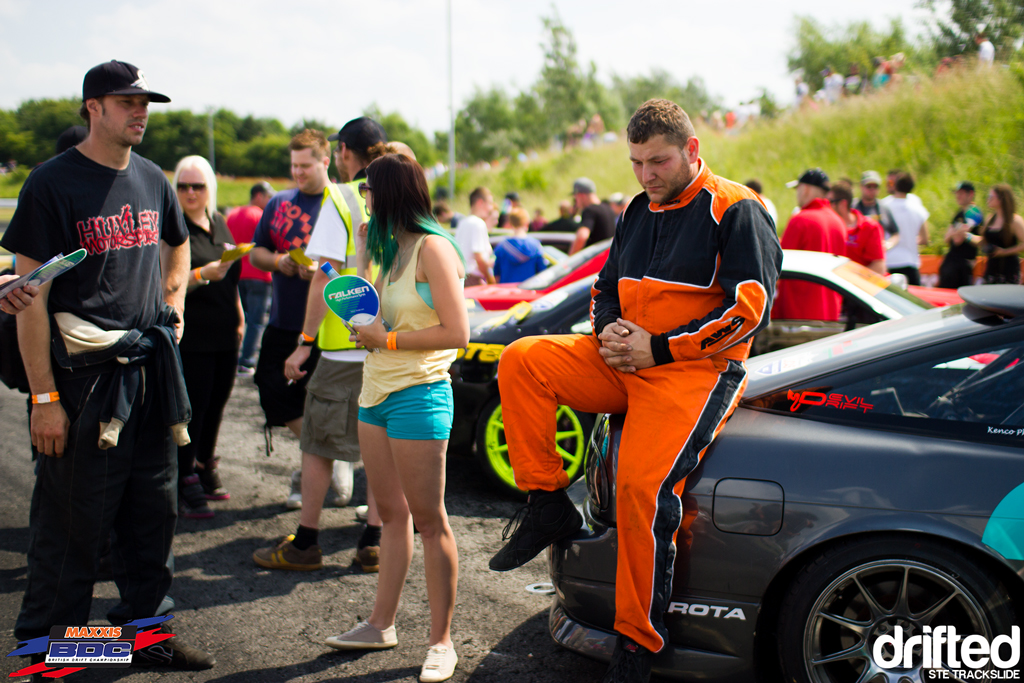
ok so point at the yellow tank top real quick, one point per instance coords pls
(389, 371)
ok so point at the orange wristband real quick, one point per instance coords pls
(198, 272)
(393, 341)
(277, 262)
(51, 397)
(306, 337)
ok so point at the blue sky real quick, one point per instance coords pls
(330, 59)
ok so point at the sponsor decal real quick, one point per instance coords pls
(73, 648)
(718, 335)
(485, 353)
(713, 611)
(944, 655)
(816, 398)
(786, 364)
(1006, 431)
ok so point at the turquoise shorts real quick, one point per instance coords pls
(419, 412)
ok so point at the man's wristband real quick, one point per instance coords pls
(392, 341)
(305, 339)
(198, 275)
(51, 397)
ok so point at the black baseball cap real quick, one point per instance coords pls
(360, 134)
(71, 137)
(812, 176)
(965, 185)
(512, 196)
(118, 78)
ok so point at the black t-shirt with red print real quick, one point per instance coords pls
(287, 223)
(119, 217)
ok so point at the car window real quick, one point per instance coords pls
(550, 276)
(973, 394)
(877, 286)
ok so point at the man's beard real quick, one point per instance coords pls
(680, 183)
(343, 175)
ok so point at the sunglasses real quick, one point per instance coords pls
(195, 187)
(363, 189)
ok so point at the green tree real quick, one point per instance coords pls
(172, 135)
(562, 84)
(302, 125)
(399, 129)
(44, 120)
(953, 34)
(485, 129)
(634, 91)
(818, 47)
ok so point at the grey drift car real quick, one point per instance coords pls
(868, 485)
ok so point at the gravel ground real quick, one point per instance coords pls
(268, 625)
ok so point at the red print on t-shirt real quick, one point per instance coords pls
(108, 233)
(290, 227)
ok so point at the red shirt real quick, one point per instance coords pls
(242, 223)
(816, 228)
(864, 240)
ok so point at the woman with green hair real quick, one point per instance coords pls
(405, 408)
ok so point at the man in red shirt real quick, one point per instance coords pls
(863, 235)
(816, 228)
(254, 286)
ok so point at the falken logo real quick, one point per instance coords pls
(348, 294)
(705, 610)
(717, 336)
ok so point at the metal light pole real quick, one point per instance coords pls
(209, 125)
(451, 113)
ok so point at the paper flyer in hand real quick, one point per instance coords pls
(236, 253)
(300, 257)
(56, 266)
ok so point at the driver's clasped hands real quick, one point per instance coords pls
(626, 346)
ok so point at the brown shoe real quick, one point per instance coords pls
(286, 556)
(368, 558)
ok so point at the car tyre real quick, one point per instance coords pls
(572, 435)
(852, 593)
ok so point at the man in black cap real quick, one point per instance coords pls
(329, 433)
(597, 220)
(124, 300)
(957, 269)
(815, 228)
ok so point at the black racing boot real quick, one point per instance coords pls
(547, 517)
(631, 663)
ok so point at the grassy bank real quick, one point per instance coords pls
(968, 127)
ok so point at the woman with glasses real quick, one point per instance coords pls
(405, 408)
(214, 324)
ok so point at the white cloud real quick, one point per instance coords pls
(330, 59)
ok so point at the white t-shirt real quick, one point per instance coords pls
(471, 236)
(909, 215)
(330, 241)
(986, 52)
(834, 87)
(772, 211)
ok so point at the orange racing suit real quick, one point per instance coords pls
(698, 273)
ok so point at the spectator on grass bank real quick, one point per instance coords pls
(957, 269)
(597, 221)
(538, 221)
(867, 204)
(471, 236)
(1003, 238)
(910, 229)
(853, 82)
(254, 285)
(815, 228)
(755, 185)
(565, 221)
(863, 235)
(510, 202)
(986, 50)
(213, 332)
(519, 256)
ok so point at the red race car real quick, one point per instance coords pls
(501, 297)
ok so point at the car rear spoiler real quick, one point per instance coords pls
(1006, 301)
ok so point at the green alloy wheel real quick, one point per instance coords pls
(572, 430)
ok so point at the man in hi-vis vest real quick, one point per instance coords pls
(331, 415)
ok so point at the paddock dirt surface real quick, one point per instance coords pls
(269, 626)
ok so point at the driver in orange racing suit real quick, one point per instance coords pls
(688, 282)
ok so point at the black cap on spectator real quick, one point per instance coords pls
(118, 78)
(71, 137)
(360, 134)
(965, 185)
(262, 187)
(812, 176)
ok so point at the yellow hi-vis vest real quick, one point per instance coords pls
(333, 335)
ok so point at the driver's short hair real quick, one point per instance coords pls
(660, 117)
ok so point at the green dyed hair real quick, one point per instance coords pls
(401, 202)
